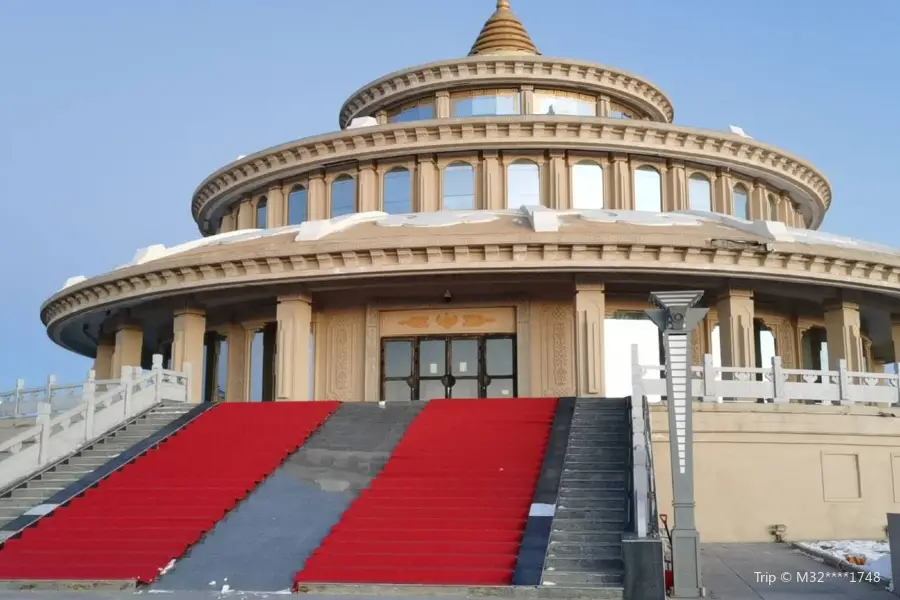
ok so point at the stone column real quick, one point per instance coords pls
(245, 214)
(294, 316)
(442, 105)
(842, 334)
(188, 331)
(317, 198)
(103, 362)
(675, 197)
(492, 180)
(276, 207)
(426, 198)
(737, 337)
(382, 117)
(369, 188)
(236, 379)
(590, 312)
(721, 192)
(128, 348)
(757, 201)
(895, 336)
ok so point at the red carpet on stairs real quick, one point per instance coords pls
(450, 505)
(133, 523)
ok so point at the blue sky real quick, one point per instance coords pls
(112, 112)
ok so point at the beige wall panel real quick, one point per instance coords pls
(456, 321)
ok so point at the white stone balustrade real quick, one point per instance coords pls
(95, 413)
(772, 384)
(22, 402)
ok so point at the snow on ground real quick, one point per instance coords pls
(872, 556)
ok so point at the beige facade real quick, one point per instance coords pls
(533, 203)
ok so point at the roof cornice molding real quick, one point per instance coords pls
(424, 254)
(491, 70)
(517, 132)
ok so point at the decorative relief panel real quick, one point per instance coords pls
(394, 323)
(342, 352)
(553, 349)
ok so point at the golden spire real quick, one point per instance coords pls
(503, 34)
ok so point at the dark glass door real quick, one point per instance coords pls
(448, 367)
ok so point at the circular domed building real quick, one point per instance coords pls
(489, 226)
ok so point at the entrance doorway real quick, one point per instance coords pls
(448, 367)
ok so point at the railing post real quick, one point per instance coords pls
(127, 389)
(709, 379)
(20, 385)
(637, 375)
(43, 419)
(157, 378)
(188, 384)
(51, 381)
(843, 383)
(778, 382)
(89, 397)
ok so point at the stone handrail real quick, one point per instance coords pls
(22, 403)
(643, 488)
(55, 437)
(773, 384)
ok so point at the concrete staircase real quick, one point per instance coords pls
(24, 496)
(585, 548)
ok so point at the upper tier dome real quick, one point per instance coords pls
(503, 34)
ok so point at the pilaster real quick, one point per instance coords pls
(426, 198)
(442, 105)
(603, 106)
(620, 184)
(369, 190)
(235, 383)
(559, 195)
(294, 317)
(736, 332)
(492, 181)
(675, 197)
(590, 309)
(128, 346)
(757, 201)
(842, 334)
(527, 92)
(276, 207)
(188, 331)
(317, 198)
(721, 193)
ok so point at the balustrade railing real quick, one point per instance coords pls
(98, 408)
(775, 384)
(22, 402)
(644, 514)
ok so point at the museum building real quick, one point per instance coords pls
(489, 226)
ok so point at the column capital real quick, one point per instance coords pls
(317, 174)
(295, 297)
(588, 285)
(840, 305)
(442, 94)
(895, 319)
(734, 293)
(189, 310)
(367, 165)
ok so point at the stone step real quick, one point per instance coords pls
(600, 456)
(590, 473)
(587, 489)
(592, 436)
(611, 511)
(595, 525)
(36, 494)
(63, 476)
(20, 504)
(52, 485)
(8, 514)
(106, 453)
(586, 538)
(71, 467)
(569, 579)
(592, 499)
(578, 550)
(583, 565)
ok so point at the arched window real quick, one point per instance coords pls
(587, 185)
(523, 184)
(298, 205)
(459, 187)
(773, 208)
(343, 196)
(647, 189)
(700, 193)
(740, 202)
(261, 213)
(397, 190)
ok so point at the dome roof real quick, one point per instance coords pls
(503, 34)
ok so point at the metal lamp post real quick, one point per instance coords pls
(676, 317)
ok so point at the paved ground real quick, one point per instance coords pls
(775, 572)
(730, 571)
